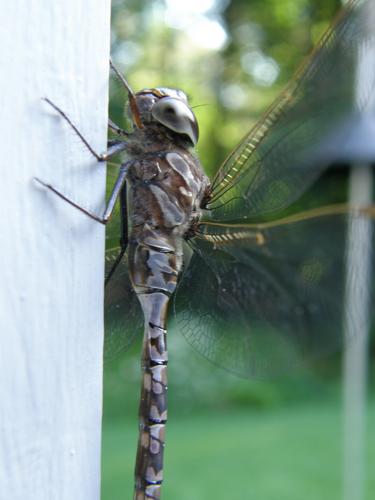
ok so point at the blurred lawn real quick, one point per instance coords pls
(285, 453)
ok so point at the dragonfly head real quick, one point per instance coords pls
(170, 108)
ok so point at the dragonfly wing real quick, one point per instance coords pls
(260, 299)
(290, 146)
(123, 313)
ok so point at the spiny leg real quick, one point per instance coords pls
(112, 150)
(120, 181)
(115, 128)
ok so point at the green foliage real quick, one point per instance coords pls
(223, 82)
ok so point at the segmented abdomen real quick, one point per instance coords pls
(164, 197)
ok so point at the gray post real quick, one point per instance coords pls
(358, 286)
(357, 315)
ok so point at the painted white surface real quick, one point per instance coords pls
(51, 255)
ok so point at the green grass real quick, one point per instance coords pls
(291, 453)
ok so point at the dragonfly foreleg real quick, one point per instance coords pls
(111, 202)
(112, 150)
(116, 129)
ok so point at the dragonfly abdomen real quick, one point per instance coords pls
(153, 405)
(154, 265)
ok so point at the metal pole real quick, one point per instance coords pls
(357, 317)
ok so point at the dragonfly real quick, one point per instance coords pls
(253, 288)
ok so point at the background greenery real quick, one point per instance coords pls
(226, 437)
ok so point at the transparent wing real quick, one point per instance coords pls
(260, 299)
(289, 147)
(123, 314)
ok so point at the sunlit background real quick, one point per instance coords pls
(226, 437)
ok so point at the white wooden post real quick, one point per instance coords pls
(51, 255)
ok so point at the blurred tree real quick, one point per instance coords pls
(231, 57)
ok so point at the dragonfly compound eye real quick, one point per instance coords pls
(176, 115)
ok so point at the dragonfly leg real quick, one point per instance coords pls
(115, 128)
(120, 181)
(113, 148)
(124, 233)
